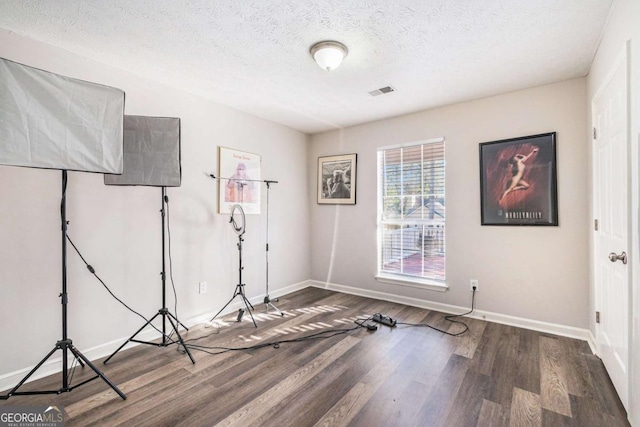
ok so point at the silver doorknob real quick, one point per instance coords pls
(613, 257)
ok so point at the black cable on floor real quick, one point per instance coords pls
(450, 318)
(276, 344)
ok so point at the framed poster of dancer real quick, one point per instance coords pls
(518, 181)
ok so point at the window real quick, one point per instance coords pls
(411, 212)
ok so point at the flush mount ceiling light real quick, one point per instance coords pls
(328, 54)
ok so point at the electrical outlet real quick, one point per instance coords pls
(473, 283)
(202, 288)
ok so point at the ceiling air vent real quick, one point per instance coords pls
(382, 91)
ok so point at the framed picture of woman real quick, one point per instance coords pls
(518, 181)
(239, 182)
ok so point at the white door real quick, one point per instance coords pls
(611, 210)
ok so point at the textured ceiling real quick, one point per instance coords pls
(254, 55)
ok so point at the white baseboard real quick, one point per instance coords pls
(592, 343)
(536, 325)
(54, 364)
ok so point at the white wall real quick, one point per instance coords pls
(623, 28)
(118, 229)
(538, 273)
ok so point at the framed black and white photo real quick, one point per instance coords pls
(337, 180)
(518, 181)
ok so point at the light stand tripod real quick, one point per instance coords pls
(65, 343)
(267, 300)
(239, 291)
(164, 312)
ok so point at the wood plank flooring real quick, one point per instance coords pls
(493, 375)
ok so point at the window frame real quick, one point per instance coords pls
(399, 278)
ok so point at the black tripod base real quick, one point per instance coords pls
(175, 323)
(269, 304)
(63, 345)
(239, 292)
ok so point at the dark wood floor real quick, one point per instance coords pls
(494, 375)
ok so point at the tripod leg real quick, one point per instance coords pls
(179, 323)
(130, 338)
(246, 301)
(180, 340)
(247, 304)
(236, 292)
(24, 380)
(222, 309)
(268, 303)
(79, 355)
(80, 362)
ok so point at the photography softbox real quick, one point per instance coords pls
(151, 152)
(152, 158)
(56, 122)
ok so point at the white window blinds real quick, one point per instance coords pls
(411, 210)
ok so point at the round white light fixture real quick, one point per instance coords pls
(328, 54)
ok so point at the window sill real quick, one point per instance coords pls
(412, 282)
